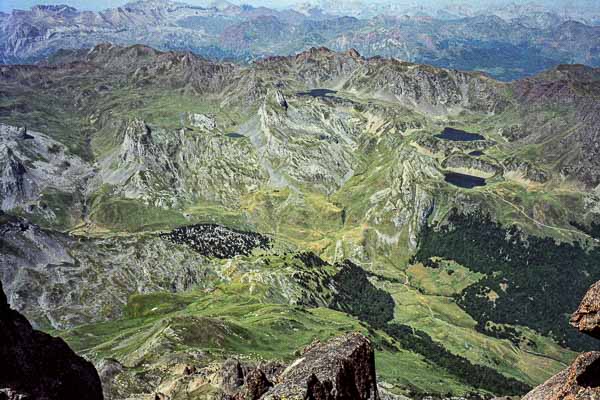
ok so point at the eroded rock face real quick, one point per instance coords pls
(202, 121)
(59, 281)
(32, 163)
(578, 382)
(527, 170)
(581, 381)
(232, 376)
(108, 369)
(38, 366)
(587, 316)
(257, 384)
(341, 369)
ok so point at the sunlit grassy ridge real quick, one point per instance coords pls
(233, 321)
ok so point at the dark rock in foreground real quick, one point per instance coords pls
(34, 365)
(340, 369)
(343, 368)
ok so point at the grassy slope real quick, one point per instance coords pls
(255, 330)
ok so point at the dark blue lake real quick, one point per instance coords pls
(457, 135)
(476, 153)
(464, 181)
(318, 93)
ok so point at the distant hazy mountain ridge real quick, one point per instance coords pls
(507, 43)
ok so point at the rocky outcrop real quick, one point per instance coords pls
(257, 384)
(15, 186)
(232, 376)
(525, 170)
(587, 316)
(38, 366)
(578, 382)
(31, 165)
(202, 121)
(581, 381)
(342, 368)
(473, 165)
(108, 369)
(137, 141)
(280, 99)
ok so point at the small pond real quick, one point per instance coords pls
(464, 181)
(235, 135)
(457, 135)
(476, 153)
(318, 93)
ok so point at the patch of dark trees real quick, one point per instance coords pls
(357, 296)
(217, 241)
(539, 282)
(311, 276)
(311, 260)
(593, 230)
(474, 375)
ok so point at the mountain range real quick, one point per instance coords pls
(508, 43)
(165, 213)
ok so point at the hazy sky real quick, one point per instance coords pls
(7, 5)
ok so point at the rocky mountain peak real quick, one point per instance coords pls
(109, 52)
(353, 53)
(56, 9)
(568, 72)
(136, 140)
(315, 52)
(152, 4)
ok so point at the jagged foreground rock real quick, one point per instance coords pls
(35, 365)
(587, 316)
(581, 381)
(342, 368)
